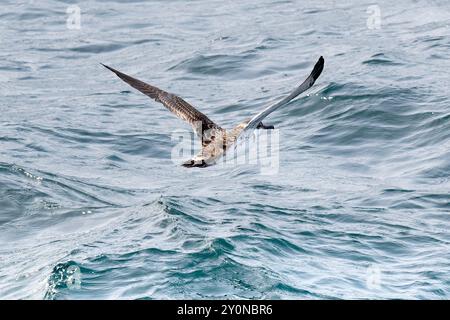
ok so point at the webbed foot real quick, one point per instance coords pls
(262, 126)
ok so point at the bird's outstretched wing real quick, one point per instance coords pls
(200, 122)
(256, 120)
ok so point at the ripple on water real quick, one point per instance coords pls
(91, 206)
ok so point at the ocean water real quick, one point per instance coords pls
(93, 207)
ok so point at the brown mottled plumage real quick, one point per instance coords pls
(215, 140)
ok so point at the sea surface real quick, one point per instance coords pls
(92, 205)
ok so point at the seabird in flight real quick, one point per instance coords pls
(215, 140)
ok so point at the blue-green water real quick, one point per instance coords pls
(91, 205)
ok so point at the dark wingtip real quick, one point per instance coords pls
(109, 68)
(318, 68)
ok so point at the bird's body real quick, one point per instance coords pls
(215, 140)
(221, 141)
